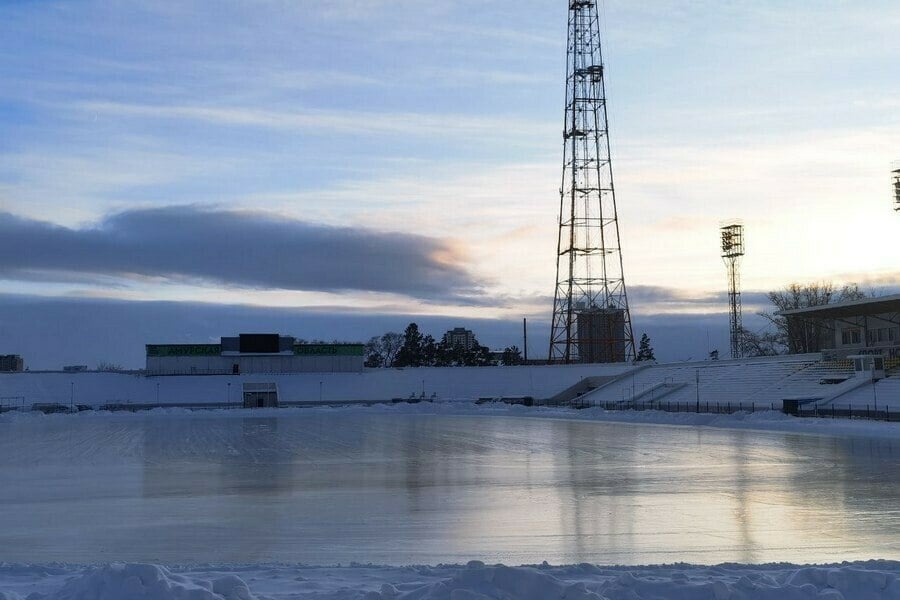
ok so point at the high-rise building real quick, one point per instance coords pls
(11, 363)
(460, 336)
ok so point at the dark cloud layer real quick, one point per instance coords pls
(235, 248)
(51, 332)
(660, 297)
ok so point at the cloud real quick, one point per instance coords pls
(51, 332)
(498, 128)
(655, 299)
(248, 249)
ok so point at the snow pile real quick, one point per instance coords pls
(766, 420)
(478, 582)
(150, 582)
(872, 580)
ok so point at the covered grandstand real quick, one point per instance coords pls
(869, 326)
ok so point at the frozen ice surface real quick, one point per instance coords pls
(873, 580)
(434, 484)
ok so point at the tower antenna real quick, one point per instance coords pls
(591, 321)
(732, 236)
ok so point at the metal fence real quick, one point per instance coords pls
(880, 413)
(883, 413)
(8, 403)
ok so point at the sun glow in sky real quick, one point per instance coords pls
(434, 129)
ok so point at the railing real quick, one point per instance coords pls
(8, 403)
(881, 413)
(873, 413)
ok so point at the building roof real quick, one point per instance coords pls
(851, 308)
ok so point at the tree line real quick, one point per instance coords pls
(412, 348)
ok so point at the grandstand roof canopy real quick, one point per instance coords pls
(851, 308)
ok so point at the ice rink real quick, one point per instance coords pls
(394, 486)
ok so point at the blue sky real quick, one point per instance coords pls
(436, 126)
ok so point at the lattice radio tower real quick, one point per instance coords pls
(732, 236)
(591, 320)
(895, 178)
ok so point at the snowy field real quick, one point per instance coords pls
(873, 580)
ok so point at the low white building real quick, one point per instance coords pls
(254, 353)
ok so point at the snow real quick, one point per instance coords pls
(468, 383)
(762, 382)
(758, 421)
(870, 580)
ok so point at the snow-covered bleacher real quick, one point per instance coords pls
(762, 382)
(885, 394)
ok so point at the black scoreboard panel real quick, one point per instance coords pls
(259, 343)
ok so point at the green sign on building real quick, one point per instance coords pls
(329, 349)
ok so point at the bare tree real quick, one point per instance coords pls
(109, 367)
(761, 343)
(382, 351)
(797, 335)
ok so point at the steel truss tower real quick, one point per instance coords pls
(591, 320)
(732, 236)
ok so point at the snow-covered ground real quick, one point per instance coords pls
(759, 382)
(872, 580)
(466, 383)
(759, 421)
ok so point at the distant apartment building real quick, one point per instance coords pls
(460, 336)
(11, 363)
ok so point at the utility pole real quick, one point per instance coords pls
(874, 392)
(525, 339)
(697, 374)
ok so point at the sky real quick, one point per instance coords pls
(334, 170)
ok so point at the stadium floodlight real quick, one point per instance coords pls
(732, 238)
(895, 179)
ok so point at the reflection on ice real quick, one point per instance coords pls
(326, 487)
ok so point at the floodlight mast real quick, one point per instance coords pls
(895, 179)
(591, 320)
(732, 237)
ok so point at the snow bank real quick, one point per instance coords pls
(872, 580)
(478, 581)
(759, 421)
(150, 582)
